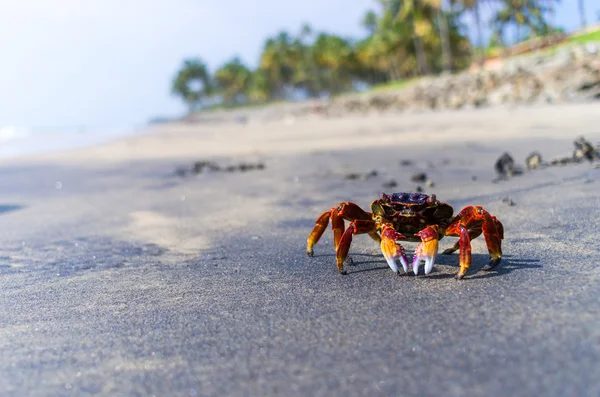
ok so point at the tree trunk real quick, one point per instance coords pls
(420, 51)
(445, 36)
(481, 59)
(582, 13)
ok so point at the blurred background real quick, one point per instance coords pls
(78, 73)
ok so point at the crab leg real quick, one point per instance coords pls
(356, 227)
(349, 211)
(337, 225)
(427, 249)
(475, 218)
(317, 232)
(493, 231)
(464, 260)
(392, 251)
(473, 234)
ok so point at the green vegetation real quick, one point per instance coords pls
(586, 38)
(404, 39)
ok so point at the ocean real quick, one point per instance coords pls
(18, 141)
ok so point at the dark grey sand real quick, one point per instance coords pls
(118, 278)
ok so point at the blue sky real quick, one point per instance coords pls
(106, 63)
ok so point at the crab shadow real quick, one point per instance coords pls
(508, 265)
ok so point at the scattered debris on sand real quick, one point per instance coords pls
(585, 150)
(505, 166)
(419, 177)
(363, 177)
(533, 161)
(508, 201)
(390, 184)
(201, 166)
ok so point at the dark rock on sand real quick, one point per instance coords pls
(584, 150)
(419, 177)
(534, 160)
(390, 184)
(508, 201)
(505, 166)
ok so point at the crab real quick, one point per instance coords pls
(413, 217)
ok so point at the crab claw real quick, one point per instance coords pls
(427, 249)
(392, 251)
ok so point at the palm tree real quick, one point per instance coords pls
(277, 61)
(582, 13)
(418, 13)
(445, 37)
(523, 13)
(333, 57)
(192, 83)
(233, 79)
(474, 7)
(259, 90)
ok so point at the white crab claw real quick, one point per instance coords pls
(415, 264)
(404, 262)
(392, 263)
(429, 261)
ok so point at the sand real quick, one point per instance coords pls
(118, 277)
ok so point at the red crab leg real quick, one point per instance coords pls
(356, 227)
(493, 231)
(465, 252)
(337, 225)
(473, 234)
(349, 211)
(342, 250)
(427, 249)
(393, 252)
(352, 211)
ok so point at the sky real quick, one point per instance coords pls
(107, 63)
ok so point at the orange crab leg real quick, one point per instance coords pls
(473, 234)
(464, 260)
(337, 225)
(317, 232)
(337, 214)
(466, 224)
(342, 250)
(356, 227)
(493, 231)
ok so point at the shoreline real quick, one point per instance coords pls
(182, 141)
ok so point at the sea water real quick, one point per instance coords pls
(16, 141)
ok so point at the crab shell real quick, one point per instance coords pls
(409, 213)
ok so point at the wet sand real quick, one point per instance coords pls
(118, 277)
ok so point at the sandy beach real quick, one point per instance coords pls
(119, 277)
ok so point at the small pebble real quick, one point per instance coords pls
(508, 201)
(390, 184)
(534, 160)
(419, 177)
